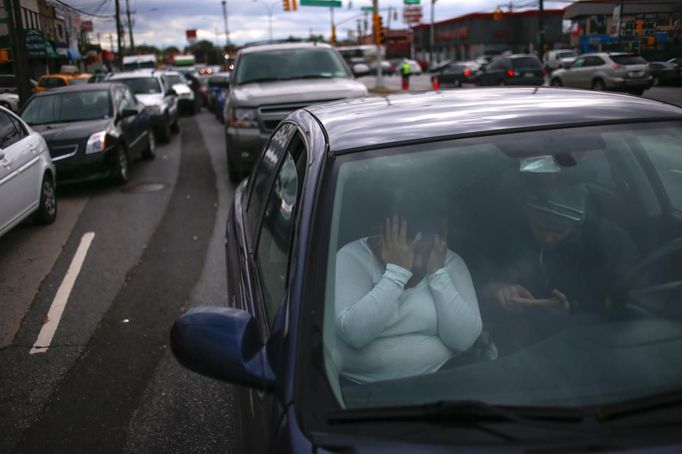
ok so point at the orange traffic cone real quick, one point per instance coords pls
(435, 82)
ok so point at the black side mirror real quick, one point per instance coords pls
(171, 92)
(222, 343)
(125, 113)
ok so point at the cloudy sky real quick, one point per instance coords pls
(163, 22)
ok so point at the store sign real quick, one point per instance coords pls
(87, 26)
(412, 14)
(35, 43)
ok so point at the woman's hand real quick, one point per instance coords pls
(437, 255)
(393, 243)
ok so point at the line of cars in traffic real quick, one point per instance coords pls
(82, 132)
(617, 71)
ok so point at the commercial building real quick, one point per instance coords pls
(473, 35)
(650, 27)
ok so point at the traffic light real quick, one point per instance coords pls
(286, 6)
(378, 28)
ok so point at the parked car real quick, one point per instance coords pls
(676, 60)
(8, 83)
(605, 71)
(268, 83)
(514, 69)
(333, 352)
(159, 99)
(187, 101)
(457, 73)
(10, 101)
(558, 58)
(387, 68)
(94, 131)
(665, 73)
(27, 175)
(440, 65)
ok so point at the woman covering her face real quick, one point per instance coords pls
(405, 303)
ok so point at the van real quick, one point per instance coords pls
(133, 62)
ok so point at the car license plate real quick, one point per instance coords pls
(529, 75)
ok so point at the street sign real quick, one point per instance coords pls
(326, 3)
(412, 14)
(35, 43)
(367, 9)
(411, 2)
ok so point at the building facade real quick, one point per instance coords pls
(652, 28)
(470, 36)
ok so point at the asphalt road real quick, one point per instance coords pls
(107, 381)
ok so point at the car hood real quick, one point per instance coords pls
(155, 99)
(301, 90)
(77, 130)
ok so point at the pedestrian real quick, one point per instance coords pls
(405, 71)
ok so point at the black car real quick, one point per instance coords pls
(665, 73)
(528, 298)
(517, 69)
(457, 73)
(93, 130)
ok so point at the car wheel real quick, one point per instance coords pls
(120, 173)
(656, 82)
(175, 127)
(47, 207)
(150, 151)
(598, 85)
(457, 83)
(164, 133)
(556, 82)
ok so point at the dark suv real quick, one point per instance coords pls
(516, 69)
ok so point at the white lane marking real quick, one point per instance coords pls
(54, 315)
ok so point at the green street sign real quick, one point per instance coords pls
(411, 2)
(367, 9)
(327, 3)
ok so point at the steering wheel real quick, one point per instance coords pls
(646, 265)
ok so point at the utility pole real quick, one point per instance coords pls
(332, 32)
(380, 77)
(119, 59)
(227, 33)
(431, 34)
(130, 28)
(541, 36)
(18, 42)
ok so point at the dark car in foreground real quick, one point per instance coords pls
(515, 69)
(93, 130)
(665, 73)
(456, 73)
(570, 199)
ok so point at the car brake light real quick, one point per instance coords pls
(544, 72)
(467, 72)
(616, 66)
(510, 72)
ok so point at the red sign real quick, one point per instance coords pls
(87, 26)
(191, 34)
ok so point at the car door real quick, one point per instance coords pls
(573, 74)
(273, 202)
(137, 124)
(19, 170)
(169, 100)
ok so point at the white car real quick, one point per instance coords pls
(27, 175)
(10, 101)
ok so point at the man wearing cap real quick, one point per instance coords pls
(566, 262)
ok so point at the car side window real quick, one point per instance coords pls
(579, 63)
(20, 127)
(9, 134)
(276, 233)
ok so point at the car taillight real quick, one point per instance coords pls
(544, 72)
(510, 72)
(467, 72)
(616, 66)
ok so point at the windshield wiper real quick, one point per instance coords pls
(639, 406)
(460, 411)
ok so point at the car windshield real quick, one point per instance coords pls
(528, 269)
(67, 107)
(174, 79)
(286, 64)
(628, 60)
(526, 62)
(142, 85)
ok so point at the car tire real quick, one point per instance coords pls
(175, 127)
(656, 82)
(457, 83)
(150, 152)
(47, 207)
(556, 82)
(598, 85)
(121, 166)
(164, 133)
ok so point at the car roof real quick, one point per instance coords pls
(76, 88)
(405, 118)
(140, 74)
(282, 46)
